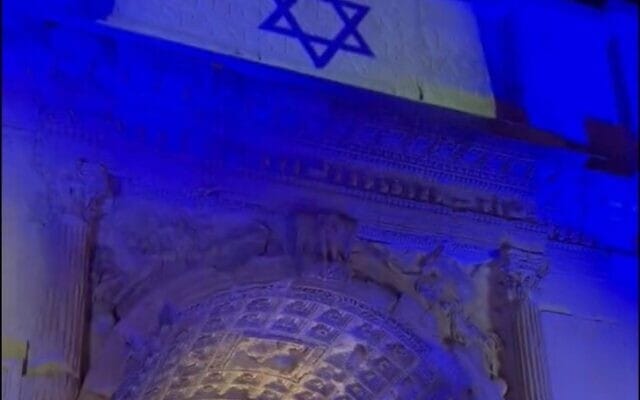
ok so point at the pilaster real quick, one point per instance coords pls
(525, 358)
(52, 280)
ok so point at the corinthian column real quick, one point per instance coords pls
(531, 352)
(521, 272)
(54, 284)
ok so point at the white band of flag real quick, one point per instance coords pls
(424, 50)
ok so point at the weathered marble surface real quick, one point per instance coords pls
(430, 198)
(150, 270)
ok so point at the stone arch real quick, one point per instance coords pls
(313, 325)
(290, 340)
(320, 321)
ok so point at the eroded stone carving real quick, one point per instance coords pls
(327, 236)
(329, 253)
(83, 191)
(230, 360)
(522, 270)
(344, 175)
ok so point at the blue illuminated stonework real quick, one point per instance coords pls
(245, 212)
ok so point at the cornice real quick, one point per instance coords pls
(439, 155)
(351, 173)
(402, 156)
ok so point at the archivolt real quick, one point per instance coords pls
(290, 325)
(299, 339)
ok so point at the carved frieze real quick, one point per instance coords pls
(412, 189)
(570, 237)
(399, 180)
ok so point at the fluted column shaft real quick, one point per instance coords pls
(531, 352)
(521, 271)
(12, 363)
(55, 354)
(53, 208)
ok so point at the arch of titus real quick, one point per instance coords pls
(184, 219)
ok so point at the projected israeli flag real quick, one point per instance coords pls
(424, 50)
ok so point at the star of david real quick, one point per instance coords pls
(320, 49)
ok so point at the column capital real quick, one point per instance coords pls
(81, 191)
(522, 270)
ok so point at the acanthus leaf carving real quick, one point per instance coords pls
(522, 270)
(327, 241)
(83, 191)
